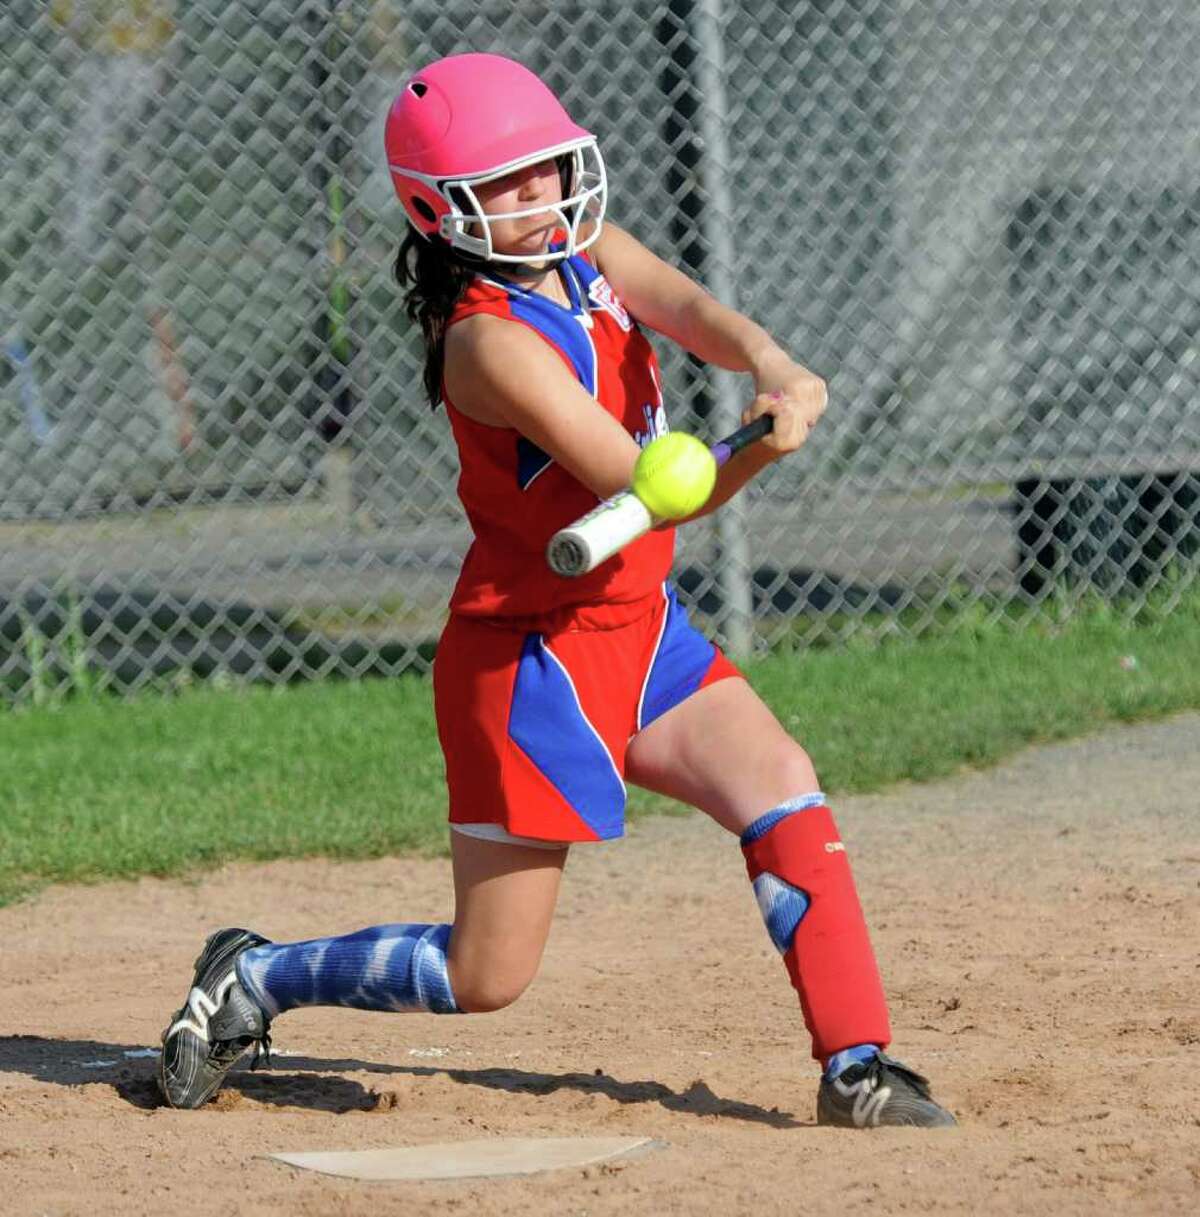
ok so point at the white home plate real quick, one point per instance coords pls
(470, 1159)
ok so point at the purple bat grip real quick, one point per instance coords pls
(722, 450)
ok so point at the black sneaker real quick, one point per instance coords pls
(877, 1092)
(217, 1023)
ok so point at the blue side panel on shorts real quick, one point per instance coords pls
(559, 327)
(679, 665)
(548, 724)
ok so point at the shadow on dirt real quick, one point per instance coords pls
(696, 1100)
(311, 1082)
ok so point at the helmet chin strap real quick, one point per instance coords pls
(524, 270)
(505, 270)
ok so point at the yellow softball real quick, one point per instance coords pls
(674, 475)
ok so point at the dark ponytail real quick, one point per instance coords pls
(433, 281)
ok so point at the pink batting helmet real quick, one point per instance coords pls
(472, 118)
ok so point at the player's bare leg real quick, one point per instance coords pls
(723, 751)
(504, 902)
(505, 899)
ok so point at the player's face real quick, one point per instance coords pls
(523, 190)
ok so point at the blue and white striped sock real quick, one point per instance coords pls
(384, 967)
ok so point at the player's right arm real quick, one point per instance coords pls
(501, 374)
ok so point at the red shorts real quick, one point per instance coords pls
(534, 718)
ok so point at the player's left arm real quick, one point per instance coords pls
(670, 303)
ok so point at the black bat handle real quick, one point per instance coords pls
(722, 450)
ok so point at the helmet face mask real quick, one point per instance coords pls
(467, 227)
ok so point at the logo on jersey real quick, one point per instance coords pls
(656, 424)
(601, 294)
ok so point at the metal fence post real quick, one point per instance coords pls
(736, 618)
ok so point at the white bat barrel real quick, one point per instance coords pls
(598, 535)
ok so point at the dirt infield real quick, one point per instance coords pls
(1037, 926)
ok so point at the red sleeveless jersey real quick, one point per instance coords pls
(516, 498)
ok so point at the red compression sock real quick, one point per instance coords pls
(806, 892)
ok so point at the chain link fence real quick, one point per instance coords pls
(979, 219)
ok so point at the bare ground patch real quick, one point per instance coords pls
(1037, 929)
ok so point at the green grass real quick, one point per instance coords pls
(94, 788)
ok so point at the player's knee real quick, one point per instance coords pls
(793, 769)
(486, 994)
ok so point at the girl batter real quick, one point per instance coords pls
(551, 694)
